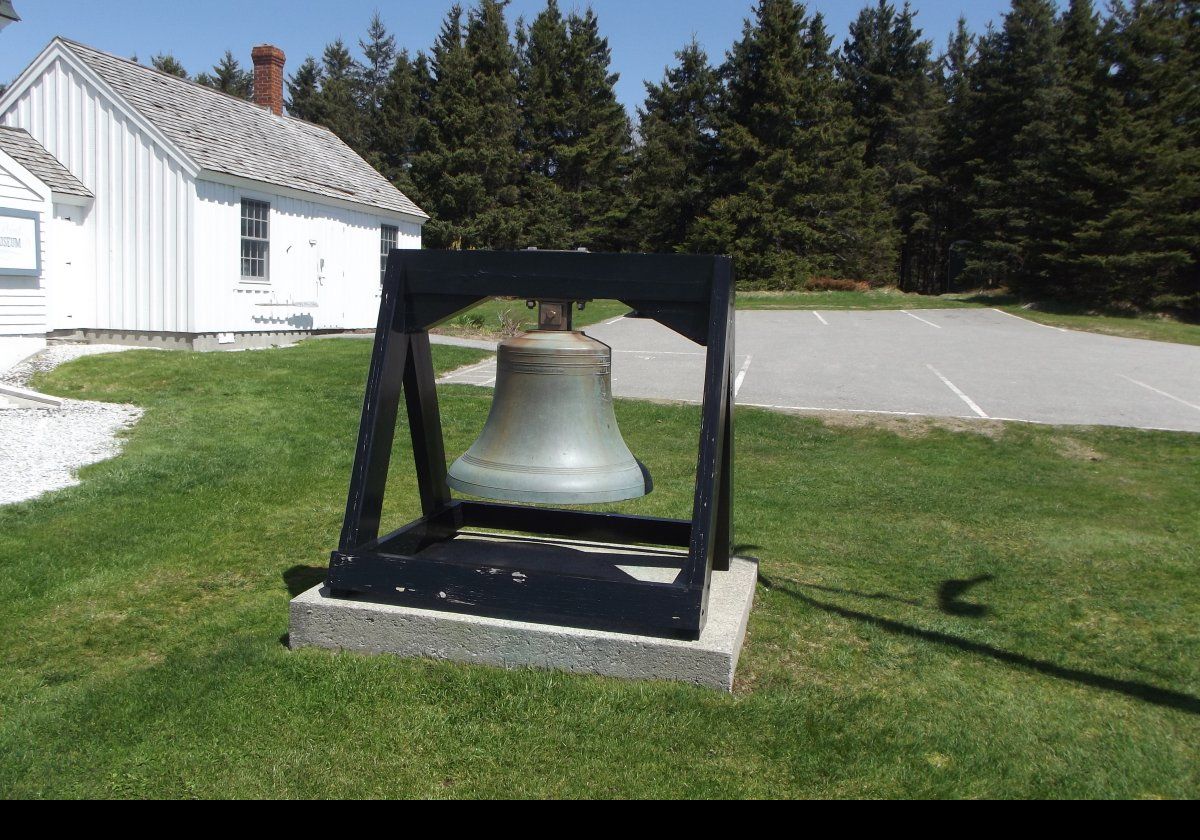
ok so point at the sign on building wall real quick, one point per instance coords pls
(20, 246)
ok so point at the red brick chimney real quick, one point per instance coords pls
(268, 77)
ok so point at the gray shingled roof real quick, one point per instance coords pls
(226, 134)
(17, 143)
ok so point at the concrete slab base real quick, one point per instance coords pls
(320, 620)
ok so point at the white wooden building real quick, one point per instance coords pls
(169, 213)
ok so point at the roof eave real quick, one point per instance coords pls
(243, 182)
(74, 199)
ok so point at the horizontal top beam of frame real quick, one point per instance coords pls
(680, 278)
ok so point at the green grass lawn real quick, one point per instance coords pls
(873, 299)
(489, 319)
(1148, 326)
(1003, 612)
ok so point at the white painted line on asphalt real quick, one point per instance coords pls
(613, 320)
(1162, 393)
(855, 410)
(970, 402)
(1030, 321)
(819, 318)
(737, 383)
(922, 320)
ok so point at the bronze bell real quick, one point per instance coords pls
(551, 436)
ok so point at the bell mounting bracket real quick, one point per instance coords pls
(692, 295)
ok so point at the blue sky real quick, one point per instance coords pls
(643, 34)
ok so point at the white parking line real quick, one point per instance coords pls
(1161, 393)
(922, 320)
(613, 320)
(853, 410)
(1030, 321)
(819, 318)
(970, 402)
(737, 383)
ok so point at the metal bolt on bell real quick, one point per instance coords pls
(551, 436)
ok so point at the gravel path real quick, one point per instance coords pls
(42, 449)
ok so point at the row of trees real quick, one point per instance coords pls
(227, 74)
(1055, 154)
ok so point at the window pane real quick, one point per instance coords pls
(255, 230)
(388, 234)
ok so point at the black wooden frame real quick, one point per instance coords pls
(692, 295)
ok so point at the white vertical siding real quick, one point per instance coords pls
(324, 264)
(135, 242)
(22, 298)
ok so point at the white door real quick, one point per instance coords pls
(70, 295)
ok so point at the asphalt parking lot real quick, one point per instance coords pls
(962, 363)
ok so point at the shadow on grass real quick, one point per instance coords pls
(300, 579)
(951, 591)
(1130, 688)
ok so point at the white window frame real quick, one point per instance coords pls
(384, 248)
(253, 237)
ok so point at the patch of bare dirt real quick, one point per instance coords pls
(1076, 450)
(909, 427)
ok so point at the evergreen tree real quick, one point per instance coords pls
(577, 136)
(797, 199)
(401, 117)
(341, 96)
(1077, 184)
(954, 152)
(543, 79)
(304, 92)
(379, 56)
(469, 166)
(887, 68)
(1012, 125)
(167, 63)
(375, 73)
(1145, 246)
(673, 178)
(229, 77)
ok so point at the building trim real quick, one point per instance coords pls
(60, 50)
(268, 188)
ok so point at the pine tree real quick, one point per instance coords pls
(469, 166)
(341, 96)
(304, 92)
(954, 150)
(543, 79)
(577, 137)
(1076, 189)
(1145, 247)
(401, 117)
(888, 70)
(797, 199)
(379, 56)
(167, 63)
(596, 159)
(229, 77)
(1012, 125)
(674, 175)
